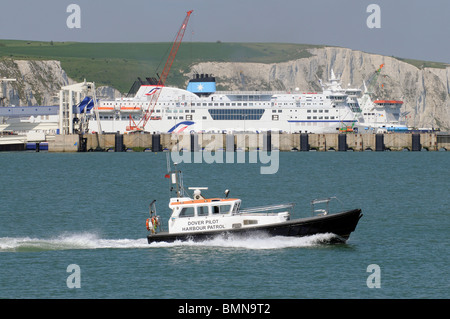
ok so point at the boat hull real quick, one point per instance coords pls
(341, 224)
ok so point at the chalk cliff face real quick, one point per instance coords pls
(425, 92)
(37, 82)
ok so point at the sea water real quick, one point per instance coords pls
(89, 210)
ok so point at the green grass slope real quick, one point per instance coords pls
(119, 64)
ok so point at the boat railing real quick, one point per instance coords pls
(253, 93)
(268, 210)
(326, 201)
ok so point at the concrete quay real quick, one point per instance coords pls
(250, 142)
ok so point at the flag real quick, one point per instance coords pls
(167, 176)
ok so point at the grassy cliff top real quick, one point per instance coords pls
(119, 64)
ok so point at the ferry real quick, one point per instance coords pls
(382, 115)
(375, 116)
(200, 108)
(199, 218)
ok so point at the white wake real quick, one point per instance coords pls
(93, 241)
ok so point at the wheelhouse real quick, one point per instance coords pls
(204, 207)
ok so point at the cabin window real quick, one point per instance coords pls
(187, 212)
(236, 208)
(202, 211)
(222, 209)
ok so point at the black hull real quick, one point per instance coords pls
(340, 224)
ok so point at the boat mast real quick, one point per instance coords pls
(177, 180)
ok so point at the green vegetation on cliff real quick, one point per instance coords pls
(119, 64)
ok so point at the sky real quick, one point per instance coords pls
(414, 29)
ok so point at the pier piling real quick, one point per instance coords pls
(379, 142)
(304, 143)
(415, 144)
(342, 143)
(269, 141)
(118, 143)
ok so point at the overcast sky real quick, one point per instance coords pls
(414, 29)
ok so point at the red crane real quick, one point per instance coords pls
(162, 79)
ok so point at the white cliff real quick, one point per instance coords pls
(38, 82)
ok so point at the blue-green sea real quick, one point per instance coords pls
(89, 210)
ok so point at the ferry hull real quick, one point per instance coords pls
(341, 224)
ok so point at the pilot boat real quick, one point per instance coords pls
(198, 218)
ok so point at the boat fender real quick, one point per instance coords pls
(154, 224)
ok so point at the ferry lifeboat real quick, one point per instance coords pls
(197, 218)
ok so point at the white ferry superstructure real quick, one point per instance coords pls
(380, 115)
(200, 108)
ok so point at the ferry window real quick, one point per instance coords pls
(189, 117)
(169, 117)
(192, 111)
(314, 111)
(202, 211)
(309, 111)
(204, 117)
(274, 117)
(274, 111)
(308, 117)
(187, 212)
(222, 209)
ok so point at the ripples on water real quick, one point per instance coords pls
(90, 210)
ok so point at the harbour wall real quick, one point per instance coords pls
(270, 141)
